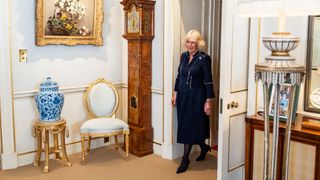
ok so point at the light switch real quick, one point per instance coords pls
(22, 55)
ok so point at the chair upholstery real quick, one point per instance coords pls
(104, 125)
(101, 101)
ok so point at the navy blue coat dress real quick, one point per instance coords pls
(193, 86)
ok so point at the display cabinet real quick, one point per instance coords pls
(304, 153)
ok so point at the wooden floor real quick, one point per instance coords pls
(109, 164)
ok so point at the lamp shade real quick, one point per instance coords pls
(271, 8)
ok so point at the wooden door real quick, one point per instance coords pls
(234, 56)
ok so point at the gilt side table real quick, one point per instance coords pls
(41, 129)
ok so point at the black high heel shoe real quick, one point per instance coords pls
(183, 166)
(203, 153)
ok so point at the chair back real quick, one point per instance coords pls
(101, 99)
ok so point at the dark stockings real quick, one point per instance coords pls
(185, 159)
(204, 150)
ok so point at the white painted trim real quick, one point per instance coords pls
(71, 89)
(168, 151)
(155, 90)
(26, 94)
(203, 7)
(172, 19)
(211, 29)
(310, 114)
(225, 56)
(27, 159)
(157, 149)
(167, 77)
(8, 148)
(253, 59)
(77, 89)
(9, 160)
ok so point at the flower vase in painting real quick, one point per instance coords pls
(66, 19)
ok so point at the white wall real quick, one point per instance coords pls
(157, 112)
(73, 68)
(70, 66)
(8, 149)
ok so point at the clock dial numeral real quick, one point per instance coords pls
(133, 21)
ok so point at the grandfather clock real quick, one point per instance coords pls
(139, 31)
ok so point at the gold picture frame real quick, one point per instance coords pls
(81, 25)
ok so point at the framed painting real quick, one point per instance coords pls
(312, 81)
(285, 92)
(69, 22)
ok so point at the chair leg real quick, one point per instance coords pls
(116, 141)
(127, 145)
(83, 149)
(89, 144)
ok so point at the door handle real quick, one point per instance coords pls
(233, 105)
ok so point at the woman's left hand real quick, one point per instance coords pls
(208, 107)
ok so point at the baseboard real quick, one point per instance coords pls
(171, 151)
(165, 151)
(9, 161)
(27, 159)
(157, 149)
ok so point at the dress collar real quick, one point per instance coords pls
(195, 54)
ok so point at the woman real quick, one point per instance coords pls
(193, 93)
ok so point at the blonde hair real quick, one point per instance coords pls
(195, 35)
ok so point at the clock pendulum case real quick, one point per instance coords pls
(139, 31)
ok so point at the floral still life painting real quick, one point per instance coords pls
(69, 22)
(66, 18)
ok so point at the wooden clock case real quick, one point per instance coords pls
(139, 76)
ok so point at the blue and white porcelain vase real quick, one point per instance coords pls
(49, 101)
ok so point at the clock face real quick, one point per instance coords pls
(133, 21)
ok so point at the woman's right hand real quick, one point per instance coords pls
(173, 99)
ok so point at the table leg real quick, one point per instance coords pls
(39, 146)
(56, 146)
(275, 137)
(46, 165)
(286, 151)
(63, 145)
(266, 134)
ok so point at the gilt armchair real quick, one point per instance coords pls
(101, 101)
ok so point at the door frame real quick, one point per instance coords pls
(172, 34)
